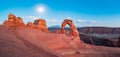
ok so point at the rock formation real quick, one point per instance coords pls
(19, 22)
(31, 25)
(41, 24)
(10, 21)
(74, 32)
(14, 21)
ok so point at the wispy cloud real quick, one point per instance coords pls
(1, 23)
(54, 20)
(81, 21)
(58, 20)
(85, 21)
(32, 17)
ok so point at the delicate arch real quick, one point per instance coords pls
(73, 28)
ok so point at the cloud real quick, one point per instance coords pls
(68, 18)
(91, 22)
(1, 23)
(81, 21)
(53, 20)
(32, 17)
(85, 21)
(48, 20)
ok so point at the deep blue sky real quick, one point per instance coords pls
(82, 12)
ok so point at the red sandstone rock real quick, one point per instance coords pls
(74, 32)
(10, 21)
(31, 25)
(19, 22)
(41, 24)
(11, 17)
(13, 21)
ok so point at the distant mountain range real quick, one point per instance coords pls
(59, 27)
(97, 30)
(55, 26)
(100, 30)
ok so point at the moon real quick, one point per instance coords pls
(41, 9)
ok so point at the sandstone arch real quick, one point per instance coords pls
(74, 32)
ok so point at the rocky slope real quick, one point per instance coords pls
(25, 42)
(11, 45)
